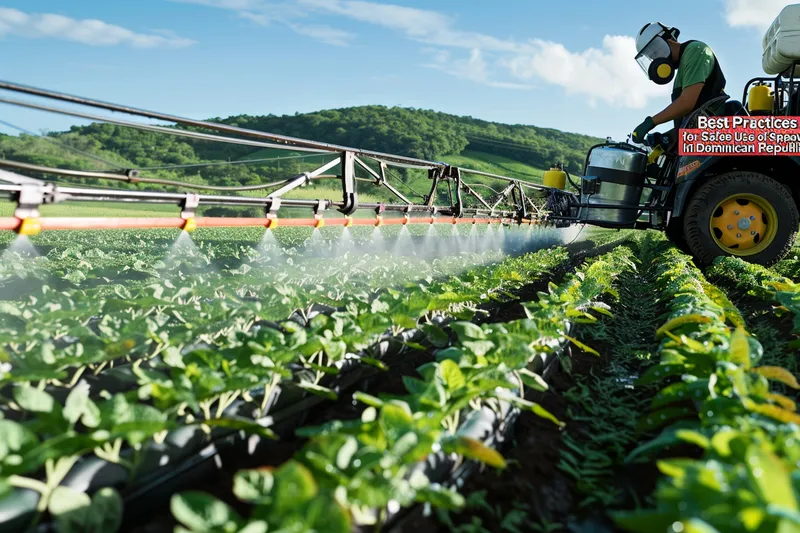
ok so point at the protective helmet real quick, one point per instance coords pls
(653, 53)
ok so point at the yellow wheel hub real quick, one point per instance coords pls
(743, 224)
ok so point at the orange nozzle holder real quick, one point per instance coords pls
(406, 218)
(29, 227)
(455, 220)
(190, 225)
(378, 221)
(348, 221)
(272, 222)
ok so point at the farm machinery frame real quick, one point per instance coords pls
(709, 206)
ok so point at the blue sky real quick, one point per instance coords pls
(567, 65)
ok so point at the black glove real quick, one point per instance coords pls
(642, 130)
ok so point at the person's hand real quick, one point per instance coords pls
(642, 130)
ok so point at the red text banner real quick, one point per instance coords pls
(741, 136)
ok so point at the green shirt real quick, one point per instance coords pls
(697, 63)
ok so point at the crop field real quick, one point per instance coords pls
(465, 379)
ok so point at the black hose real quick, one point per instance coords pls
(569, 177)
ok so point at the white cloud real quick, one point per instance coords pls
(474, 69)
(419, 24)
(263, 13)
(753, 13)
(87, 31)
(609, 74)
(325, 34)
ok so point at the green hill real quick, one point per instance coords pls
(517, 151)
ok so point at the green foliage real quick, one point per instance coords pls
(371, 463)
(173, 337)
(715, 396)
(513, 150)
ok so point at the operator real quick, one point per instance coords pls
(698, 80)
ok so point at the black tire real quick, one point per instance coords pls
(699, 212)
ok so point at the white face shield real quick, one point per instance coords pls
(657, 48)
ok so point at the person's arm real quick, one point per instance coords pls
(680, 107)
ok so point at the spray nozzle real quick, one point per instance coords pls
(189, 225)
(29, 227)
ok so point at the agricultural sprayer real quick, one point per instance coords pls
(709, 206)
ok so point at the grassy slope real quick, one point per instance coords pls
(496, 165)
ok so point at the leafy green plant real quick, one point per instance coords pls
(715, 397)
(374, 464)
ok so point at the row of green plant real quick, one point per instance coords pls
(193, 353)
(763, 283)
(728, 444)
(359, 470)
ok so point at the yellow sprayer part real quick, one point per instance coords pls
(655, 154)
(190, 225)
(555, 178)
(760, 99)
(29, 227)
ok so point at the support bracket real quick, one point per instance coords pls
(31, 196)
(189, 205)
(349, 194)
(454, 173)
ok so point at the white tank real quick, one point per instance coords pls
(781, 43)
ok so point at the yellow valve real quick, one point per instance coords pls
(378, 221)
(348, 221)
(190, 225)
(272, 223)
(29, 227)
(657, 152)
(320, 223)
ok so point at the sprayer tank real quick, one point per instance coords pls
(614, 176)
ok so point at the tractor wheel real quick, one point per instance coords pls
(743, 214)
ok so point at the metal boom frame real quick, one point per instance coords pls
(446, 181)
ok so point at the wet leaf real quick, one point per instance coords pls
(582, 346)
(682, 321)
(777, 373)
(318, 390)
(475, 449)
(452, 374)
(740, 348)
(771, 476)
(201, 512)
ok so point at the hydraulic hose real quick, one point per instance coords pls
(569, 177)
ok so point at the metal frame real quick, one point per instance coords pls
(29, 193)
